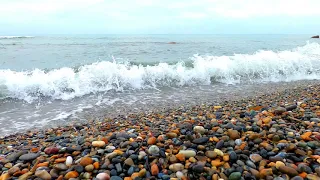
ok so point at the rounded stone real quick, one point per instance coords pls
(43, 174)
(255, 158)
(235, 176)
(29, 157)
(69, 161)
(188, 153)
(98, 144)
(199, 129)
(153, 149)
(51, 150)
(176, 167)
(103, 176)
(86, 161)
(288, 170)
(89, 168)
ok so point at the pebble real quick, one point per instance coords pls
(288, 170)
(176, 167)
(51, 150)
(69, 161)
(233, 134)
(103, 176)
(198, 168)
(98, 144)
(255, 158)
(13, 170)
(116, 178)
(238, 142)
(211, 154)
(201, 140)
(29, 156)
(86, 161)
(188, 153)
(153, 149)
(89, 168)
(199, 129)
(71, 174)
(154, 170)
(129, 162)
(43, 175)
(60, 167)
(254, 138)
(218, 152)
(235, 176)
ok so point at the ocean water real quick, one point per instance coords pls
(54, 80)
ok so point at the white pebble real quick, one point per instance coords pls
(188, 153)
(69, 161)
(199, 129)
(154, 149)
(179, 174)
(238, 142)
(103, 176)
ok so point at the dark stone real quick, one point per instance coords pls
(130, 171)
(15, 155)
(233, 156)
(235, 176)
(162, 153)
(275, 158)
(317, 36)
(113, 172)
(118, 167)
(220, 144)
(116, 178)
(78, 168)
(297, 178)
(279, 110)
(198, 168)
(201, 140)
(291, 107)
(29, 157)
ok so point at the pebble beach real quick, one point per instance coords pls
(270, 136)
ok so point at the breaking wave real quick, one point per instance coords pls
(67, 83)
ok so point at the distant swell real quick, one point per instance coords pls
(15, 37)
(66, 83)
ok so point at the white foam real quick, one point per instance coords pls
(65, 83)
(15, 37)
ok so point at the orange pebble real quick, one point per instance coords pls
(152, 140)
(60, 160)
(96, 165)
(71, 174)
(34, 150)
(303, 175)
(181, 157)
(44, 164)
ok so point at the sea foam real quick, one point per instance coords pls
(66, 83)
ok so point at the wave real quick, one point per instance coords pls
(67, 83)
(15, 37)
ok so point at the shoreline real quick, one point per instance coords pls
(267, 136)
(183, 97)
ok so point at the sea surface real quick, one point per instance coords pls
(47, 81)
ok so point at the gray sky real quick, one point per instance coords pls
(30, 17)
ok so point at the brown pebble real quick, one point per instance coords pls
(288, 170)
(71, 174)
(154, 170)
(152, 140)
(86, 161)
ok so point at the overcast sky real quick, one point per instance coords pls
(159, 17)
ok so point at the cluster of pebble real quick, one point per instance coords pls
(275, 136)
